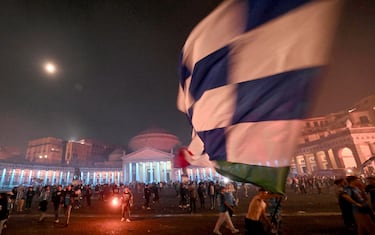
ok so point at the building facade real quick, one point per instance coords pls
(337, 141)
(13, 175)
(48, 150)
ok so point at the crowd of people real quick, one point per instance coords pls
(192, 197)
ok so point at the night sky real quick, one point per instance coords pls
(117, 67)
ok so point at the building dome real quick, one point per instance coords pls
(154, 138)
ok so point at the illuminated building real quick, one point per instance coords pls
(151, 159)
(48, 150)
(87, 151)
(340, 140)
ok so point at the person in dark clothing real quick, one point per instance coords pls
(345, 203)
(57, 200)
(44, 198)
(370, 190)
(155, 191)
(4, 212)
(362, 212)
(88, 195)
(30, 193)
(202, 194)
(147, 194)
(193, 196)
(183, 196)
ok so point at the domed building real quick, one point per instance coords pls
(150, 157)
(156, 138)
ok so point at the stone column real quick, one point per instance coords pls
(339, 161)
(144, 173)
(3, 177)
(308, 164)
(158, 171)
(137, 172)
(28, 180)
(329, 160)
(357, 157)
(130, 172)
(298, 166)
(319, 161)
(165, 171)
(151, 173)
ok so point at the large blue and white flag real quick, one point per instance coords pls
(246, 72)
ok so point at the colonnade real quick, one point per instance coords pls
(162, 171)
(310, 159)
(19, 174)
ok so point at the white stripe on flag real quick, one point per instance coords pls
(215, 108)
(216, 31)
(264, 143)
(302, 38)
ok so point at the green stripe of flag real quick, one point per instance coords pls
(270, 178)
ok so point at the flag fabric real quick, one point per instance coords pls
(180, 161)
(245, 76)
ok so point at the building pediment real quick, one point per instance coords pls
(148, 154)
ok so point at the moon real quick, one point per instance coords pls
(50, 68)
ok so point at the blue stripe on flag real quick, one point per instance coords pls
(263, 11)
(268, 98)
(184, 72)
(210, 72)
(189, 114)
(215, 145)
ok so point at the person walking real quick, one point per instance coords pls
(211, 194)
(88, 195)
(20, 198)
(57, 201)
(44, 198)
(345, 203)
(256, 218)
(183, 196)
(362, 211)
(147, 195)
(155, 191)
(223, 207)
(229, 197)
(193, 196)
(30, 193)
(202, 194)
(126, 204)
(68, 200)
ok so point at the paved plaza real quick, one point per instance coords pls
(311, 213)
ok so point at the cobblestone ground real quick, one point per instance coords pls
(301, 214)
